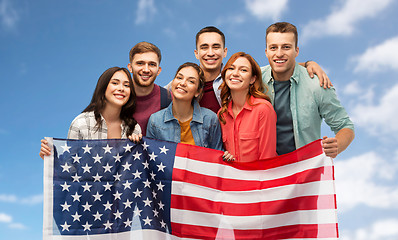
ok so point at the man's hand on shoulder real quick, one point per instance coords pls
(314, 68)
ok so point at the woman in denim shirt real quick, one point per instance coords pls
(184, 121)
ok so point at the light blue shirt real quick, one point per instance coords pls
(309, 104)
(205, 127)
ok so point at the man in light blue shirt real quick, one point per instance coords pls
(298, 100)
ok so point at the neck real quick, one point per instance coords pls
(143, 91)
(111, 113)
(182, 110)
(238, 100)
(212, 74)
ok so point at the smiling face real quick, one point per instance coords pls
(185, 84)
(281, 52)
(239, 76)
(144, 68)
(118, 91)
(210, 51)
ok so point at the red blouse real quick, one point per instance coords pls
(252, 134)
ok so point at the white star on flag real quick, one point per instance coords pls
(65, 187)
(86, 207)
(117, 157)
(86, 168)
(147, 221)
(87, 149)
(65, 206)
(127, 148)
(87, 227)
(76, 158)
(161, 167)
(65, 148)
(137, 155)
(76, 197)
(65, 227)
(107, 149)
(76, 217)
(163, 150)
(97, 158)
(152, 157)
(66, 167)
(145, 146)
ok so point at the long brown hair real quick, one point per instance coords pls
(98, 100)
(257, 89)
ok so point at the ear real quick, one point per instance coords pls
(160, 69)
(196, 53)
(266, 53)
(225, 52)
(253, 80)
(297, 51)
(130, 67)
(198, 93)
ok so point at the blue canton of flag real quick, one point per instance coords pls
(112, 186)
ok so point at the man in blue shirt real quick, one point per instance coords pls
(298, 100)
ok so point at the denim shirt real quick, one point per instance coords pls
(309, 104)
(205, 127)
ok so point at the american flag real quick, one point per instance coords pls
(115, 189)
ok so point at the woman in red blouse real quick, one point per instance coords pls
(248, 120)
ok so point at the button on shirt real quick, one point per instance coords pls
(309, 104)
(252, 134)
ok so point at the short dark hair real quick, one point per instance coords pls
(143, 47)
(282, 27)
(210, 29)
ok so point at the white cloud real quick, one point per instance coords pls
(378, 117)
(386, 229)
(344, 17)
(31, 200)
(368, 180)
(378, 58)
(266, 9)
(17, 226)
(8, 15)
(145, 10)
(231, 20)
(5, 218)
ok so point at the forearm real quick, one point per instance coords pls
(344, 138)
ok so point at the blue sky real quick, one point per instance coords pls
(52, 53)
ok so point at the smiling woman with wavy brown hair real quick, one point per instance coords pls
(248, 120)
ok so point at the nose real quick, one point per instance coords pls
(183, 82)
(146, 68)
(210, 51)
(279, 52)
(120, 87)
(235, 72)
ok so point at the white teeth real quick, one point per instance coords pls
(280, 61)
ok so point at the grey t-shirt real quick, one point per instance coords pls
(284, 124)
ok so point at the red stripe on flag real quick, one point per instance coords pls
(285, 232)
(252, 209)
(223, 184)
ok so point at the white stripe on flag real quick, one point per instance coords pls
(271, 194)
(226, 171)
(254, 222)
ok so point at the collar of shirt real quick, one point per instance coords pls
(197, 116)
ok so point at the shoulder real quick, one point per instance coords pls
(82, 118)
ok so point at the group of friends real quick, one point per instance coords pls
(249, 112)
